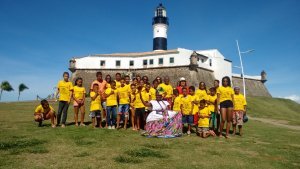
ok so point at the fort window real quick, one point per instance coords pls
(131, 63)
(102, 63)
(210, 62)
(202, 60)
(118, 63)
(151, 62)
(145, 62)
(161, 61)
(171, 60)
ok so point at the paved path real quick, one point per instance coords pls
(279, 123)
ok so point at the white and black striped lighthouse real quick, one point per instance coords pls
(160, 27)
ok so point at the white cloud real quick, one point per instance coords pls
(293, 97)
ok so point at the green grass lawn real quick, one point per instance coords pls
(24, 145)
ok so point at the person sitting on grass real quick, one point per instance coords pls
(239, 110)
(95, 108)
(203, 123)
(44, 112)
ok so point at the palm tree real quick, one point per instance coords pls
(22, 87)
(5, 86)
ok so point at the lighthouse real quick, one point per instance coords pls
(160, 25)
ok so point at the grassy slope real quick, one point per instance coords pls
(275, 108)
(23, 145)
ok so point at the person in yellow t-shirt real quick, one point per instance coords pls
(79, 98)
(118, 80)
(186, 110)
(111, 105)
(146, 94)
(95, 107)
(153, 89)
(202, 92)
(239, 110)
(139, 107)
(212, 106)
(123, 95)
(203, 123)
(44, 112)
(176, 101)
(167, 90)
(64, 89)
(225, 97)
(132, 108)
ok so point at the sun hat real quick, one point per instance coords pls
(182, 79)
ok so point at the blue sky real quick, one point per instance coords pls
(37, 38)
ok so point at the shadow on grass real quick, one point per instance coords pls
(82, 154)
(25, 145)
(81, 141)
(125, 159)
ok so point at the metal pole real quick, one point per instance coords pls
(243, 75)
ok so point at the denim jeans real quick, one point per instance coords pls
(62, 109)
(111, 115)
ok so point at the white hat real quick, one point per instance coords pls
(182, 79)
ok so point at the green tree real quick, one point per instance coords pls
(22, 87)
(5, 86)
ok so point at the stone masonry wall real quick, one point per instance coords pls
(253, 87)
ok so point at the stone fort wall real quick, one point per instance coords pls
(193, 77)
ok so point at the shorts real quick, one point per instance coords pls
(96, 113)
(202, 129)
(237, 117)
(76, 104)
(139, 112)
(189, 119)
(123, 109)
(226, 104)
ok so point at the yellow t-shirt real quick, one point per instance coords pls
(225, 93)
(202, 94)
(204, 122)
(118, 84)
(186, 103)
(123, 93)
(153, 93)
(177, 104)
(39, 109)
(96, 103)
(65, 89)
(79, 92)
(137, 100)
(239, 102)
(212, 99)
(196, 106)
(112, 99)
(167, 88)
(108, 85)
(146, 96)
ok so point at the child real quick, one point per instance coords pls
(225, 97)
(203, 123)
(139, 107)
(212, 106)
(195, 103)
(64, 89)
(79, 98)
(111, 105)
(123, 94)
(132, 109)
(176, 101)
(95, 109)
(202, 92)
(186, 110)
(239, 110)
(44, 112)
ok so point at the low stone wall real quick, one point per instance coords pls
(174, 73)
(253, 87)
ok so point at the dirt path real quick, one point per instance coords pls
(280, 123)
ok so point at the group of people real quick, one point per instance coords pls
(158, 109)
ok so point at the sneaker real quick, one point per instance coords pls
(63, 126)
(82, 124)
(109, 127)
(189, 132)
(113, 127)
(53, 125)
